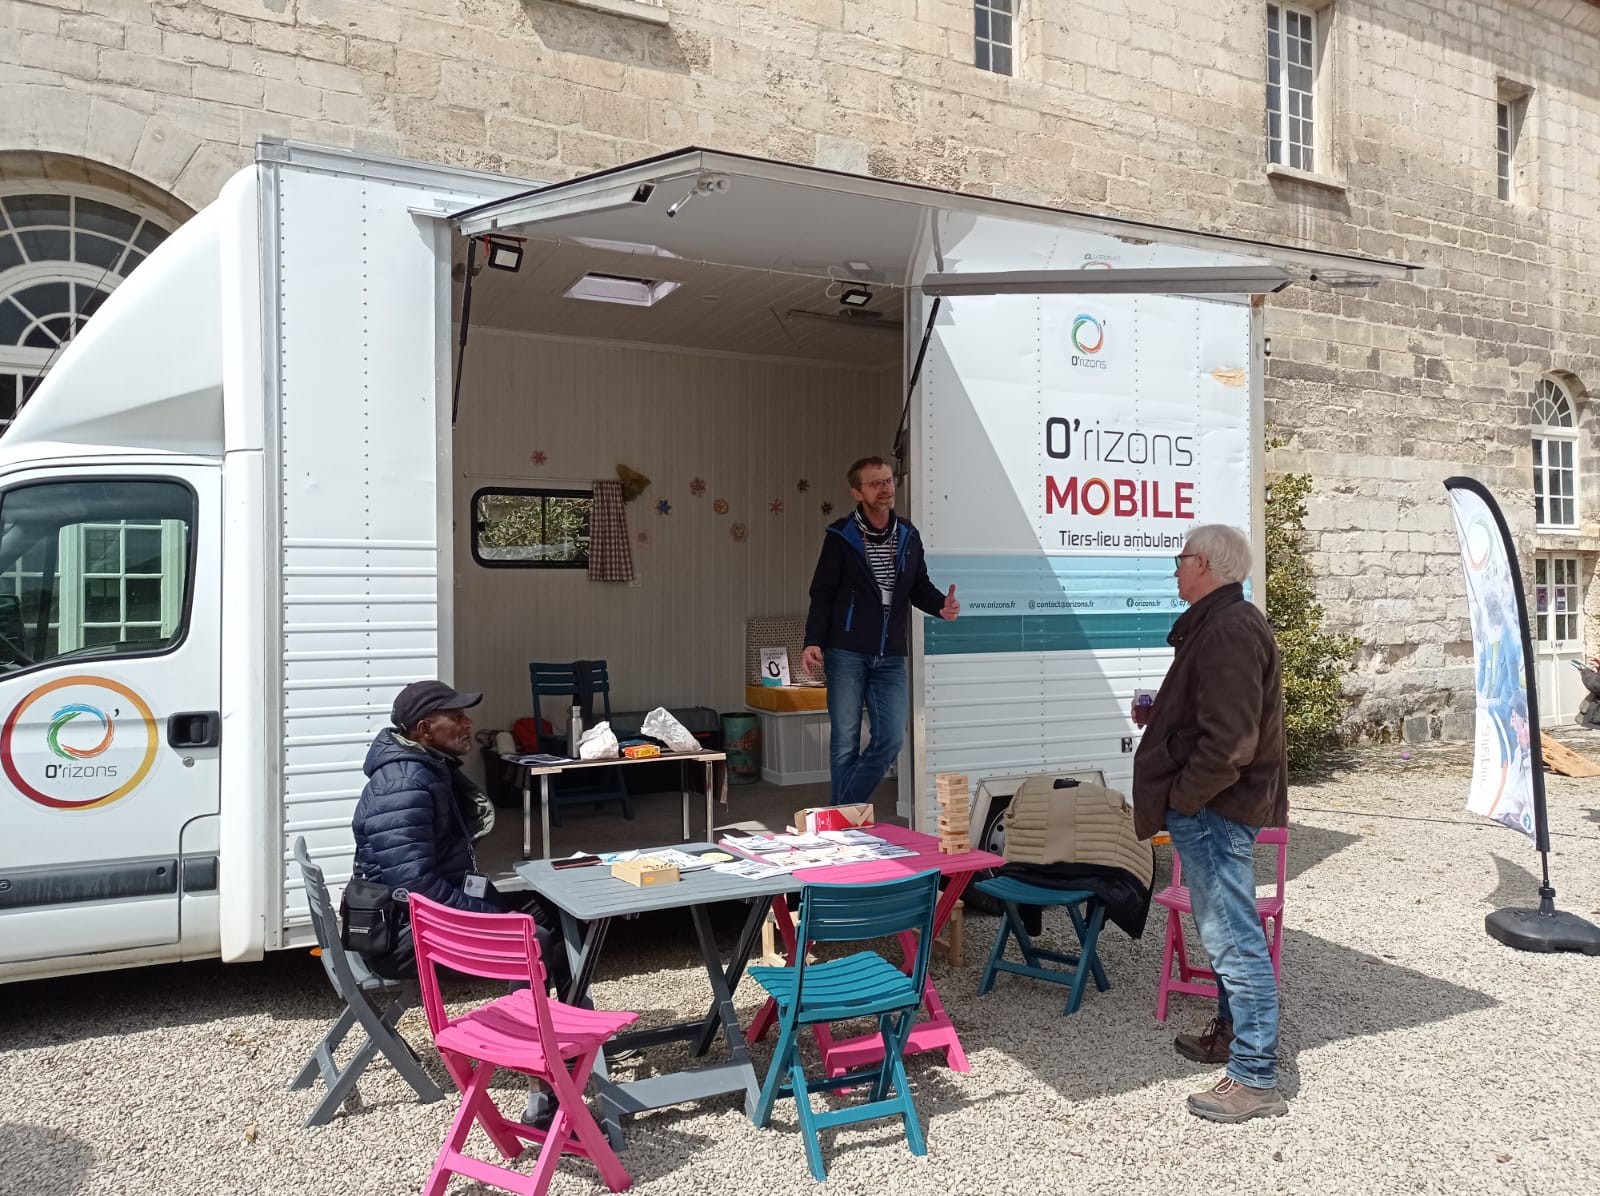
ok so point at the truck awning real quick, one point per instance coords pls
(756, 213)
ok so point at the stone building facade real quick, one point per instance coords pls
(1464, 135)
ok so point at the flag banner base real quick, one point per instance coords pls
(1531, 930)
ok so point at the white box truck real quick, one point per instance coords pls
(236, 516)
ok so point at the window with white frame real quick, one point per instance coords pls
(1555, 438)
(994, 35)
(1509, 111)
(1555, 598)
(60, 256)
(1293, 53)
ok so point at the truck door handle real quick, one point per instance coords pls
(196, 729)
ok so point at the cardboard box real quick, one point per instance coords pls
(645, 871)
(833, 818)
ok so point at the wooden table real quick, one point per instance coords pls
(589, 899)
(938, 1032)
(544, 772)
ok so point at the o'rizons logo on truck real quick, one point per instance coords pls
(1088, 336)
(78, 743)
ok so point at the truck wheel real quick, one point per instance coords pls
(992, 837)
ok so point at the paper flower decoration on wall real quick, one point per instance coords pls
(802, 485)
(775, 507)
(697, 487)
(739, 531)
(720, 506)
(633, 482)
(538, 457)
(827, 508)
(663, 507)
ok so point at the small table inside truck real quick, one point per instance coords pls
(709, 760)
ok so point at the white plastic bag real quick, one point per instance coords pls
(598, 743)
(658, 724)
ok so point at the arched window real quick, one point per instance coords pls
(1555, 465)
(61, 254)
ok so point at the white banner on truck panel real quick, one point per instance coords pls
(1502, 762)
(1105, 425)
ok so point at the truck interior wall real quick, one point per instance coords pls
(751, 429)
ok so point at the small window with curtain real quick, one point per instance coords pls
(531, 529)
(994, 35)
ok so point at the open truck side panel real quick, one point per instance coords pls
(1065, 444)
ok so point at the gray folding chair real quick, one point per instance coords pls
(362, 992)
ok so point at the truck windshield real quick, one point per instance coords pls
(93, 568)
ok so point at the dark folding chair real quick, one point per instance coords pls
(578, 683)
(363, 992)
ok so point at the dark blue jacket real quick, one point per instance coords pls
(846, 608)
(410, 833)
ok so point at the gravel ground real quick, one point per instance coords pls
(1418, 1054)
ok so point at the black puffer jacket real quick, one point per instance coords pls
(408, 825)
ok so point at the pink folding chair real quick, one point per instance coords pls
(1199, 981)
(525, 1031)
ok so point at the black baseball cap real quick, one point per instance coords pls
(421, 698)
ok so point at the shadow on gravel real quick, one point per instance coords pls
(1308, 847)
(1518, 887)
(288, 984)
(37, 1161)
(1113, 1044)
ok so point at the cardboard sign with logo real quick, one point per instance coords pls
(775, 666)
(833, 818)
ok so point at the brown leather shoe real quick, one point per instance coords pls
(1210, 1047)
(1231, 1102)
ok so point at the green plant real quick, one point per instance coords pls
(1314, 661)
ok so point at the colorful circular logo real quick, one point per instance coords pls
(1481, 540)
(78, 743)
(1087, 335)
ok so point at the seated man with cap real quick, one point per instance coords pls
(419, 814)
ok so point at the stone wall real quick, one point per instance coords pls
(1145, 109)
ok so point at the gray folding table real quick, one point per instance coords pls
(589, 898)
(709, 759)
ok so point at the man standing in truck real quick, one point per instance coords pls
(870, 573)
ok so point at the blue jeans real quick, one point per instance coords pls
(878, 683)
(1219, 868)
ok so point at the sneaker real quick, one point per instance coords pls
(1231, 1102)
(539, 1113)
(1211, 1047)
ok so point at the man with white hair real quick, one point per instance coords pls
(1211, 769)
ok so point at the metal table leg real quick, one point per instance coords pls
(527, 814)
(544, 811)
(711, 772)
(683, 791)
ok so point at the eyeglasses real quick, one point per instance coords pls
(1177, 561)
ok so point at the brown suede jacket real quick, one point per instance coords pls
(1215, 735)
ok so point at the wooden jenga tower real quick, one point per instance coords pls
(955, 816)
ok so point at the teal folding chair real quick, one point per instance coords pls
(860, 985)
